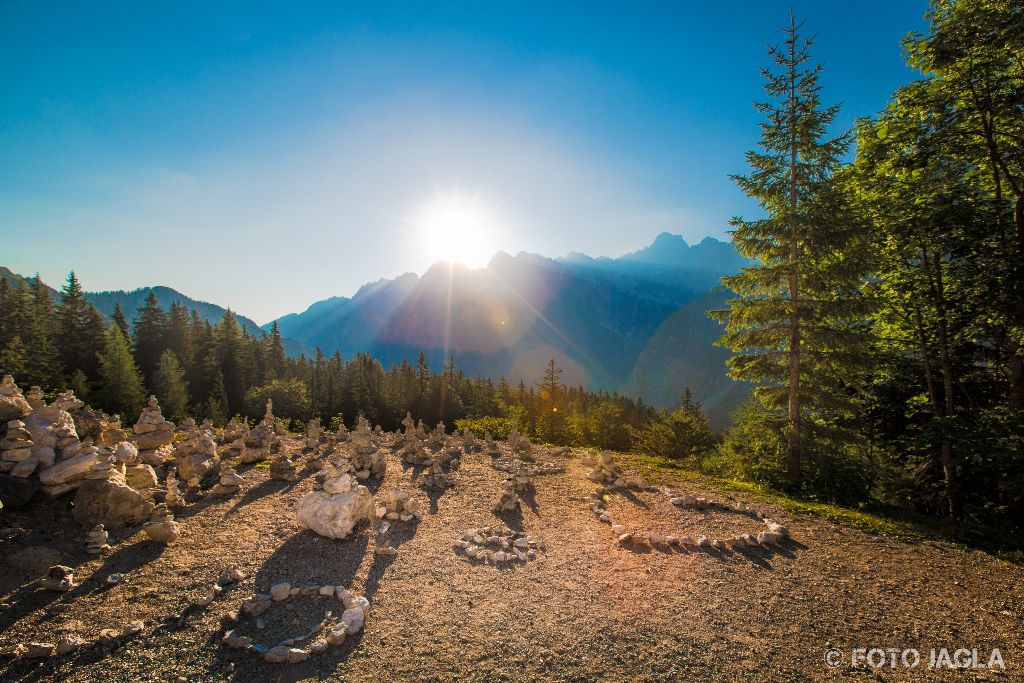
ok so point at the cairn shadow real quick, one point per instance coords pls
(196, 505)
(433, 495)
(254, 493)
(304, 559)
(633, 498)
(530, 498)
(513, 519)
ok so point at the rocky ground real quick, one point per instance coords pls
(586, 609)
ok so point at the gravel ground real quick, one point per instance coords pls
(585, 610)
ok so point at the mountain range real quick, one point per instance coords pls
(634, 324)
(598, 317)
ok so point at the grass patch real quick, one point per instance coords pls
(877, 520)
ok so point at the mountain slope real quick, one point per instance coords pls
(682, 354)
(594, 315)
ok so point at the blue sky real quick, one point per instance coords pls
(263, 156)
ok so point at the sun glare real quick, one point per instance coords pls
(455, 227)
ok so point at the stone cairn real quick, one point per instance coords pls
(367, 459)
(336, 509)
(196, 456)
(491, 447)
(138, 475)
(497, 545)
(604, 472)
(397, 505)
(173, 498)
(509, 499)
(450, 454)
(233, 436)
(262, 440)
(162, 528)
(282, 468)
(517, 484)
(96, 540)
(229, 483)
(153, 435)
(330, 632)
(106, 498)
(342, 435)
(16, 456)
(520, 445)
(435, 478)
(12, 404)
(58, 578)
(314, 434)
(413, 449)
(469, 442)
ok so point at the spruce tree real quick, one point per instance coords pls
(552, 413)
(170, 388)
(275, 358)
(119, 319)
(149, 328)
(121, 389)
(14, 358)
(73, 327)
(786, 321)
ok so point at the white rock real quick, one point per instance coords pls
(335, 515)
(353, 620)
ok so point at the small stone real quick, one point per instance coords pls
(69, 643)
(353, 620)
(280, 591)
(39, 649)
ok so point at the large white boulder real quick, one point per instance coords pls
(335, 514)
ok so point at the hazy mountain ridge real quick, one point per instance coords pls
(681, 353)
(595, 315)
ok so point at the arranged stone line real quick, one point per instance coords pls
(61, 578)
(330, 632)
(605, 471)
(532, 469)
(498, 545)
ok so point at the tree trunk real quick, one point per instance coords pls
(795, 454)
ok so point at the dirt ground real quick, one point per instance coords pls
(585, 610)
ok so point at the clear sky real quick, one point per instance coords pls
(264, 156)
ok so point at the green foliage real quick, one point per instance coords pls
(170, 388)
(13, 357)
(798, 327)
(684, 434)
(290, 397)
(121, 384)
(498, 427)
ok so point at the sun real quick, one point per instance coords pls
(455, 227)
